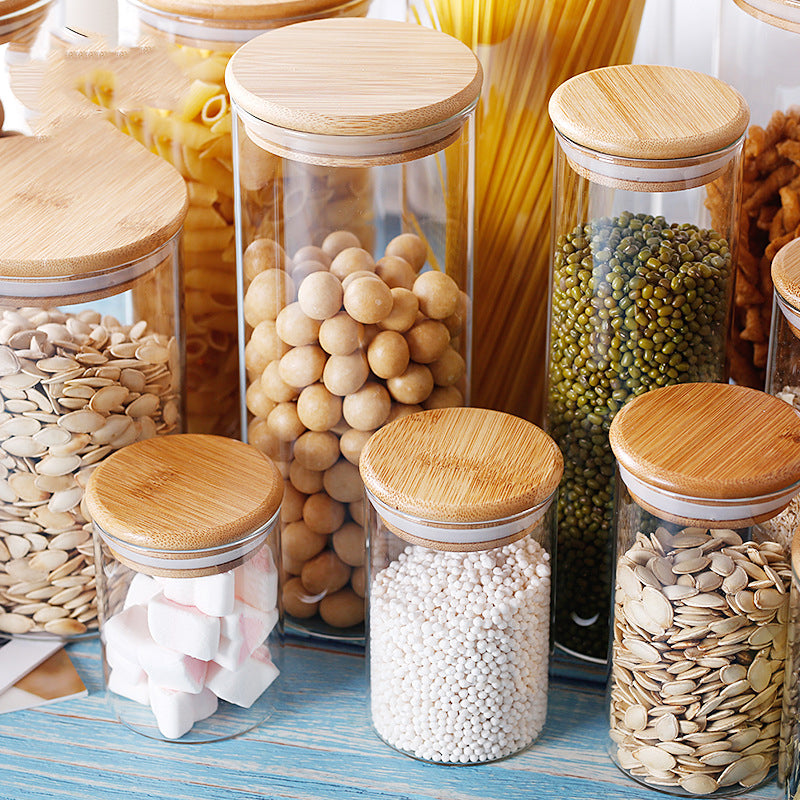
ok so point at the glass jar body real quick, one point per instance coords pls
(190, 655)
(640, 295)
(355, 274)
(699, 645)
(83, 375)
(458, 643)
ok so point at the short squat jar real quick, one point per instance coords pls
(354, 221)
(701, 672)
(90, 351)
(186, 542)
(641, 286)
(460, 525)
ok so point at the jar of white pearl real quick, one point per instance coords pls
(458, 612)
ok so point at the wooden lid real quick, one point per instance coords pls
(780, 13)
(184, 492)
(649, 112)
(234, 11)
(85, 199)
(709, 440)
(8, 7)
(354, 76)
(461, 465)
(786, 272)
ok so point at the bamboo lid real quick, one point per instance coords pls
(184, 492)
(709, 440)
(780, 13)
(83, 200)
(649, 112)
(232, 11)
(8, 7)
(461, 465)
(354, 77)
(786, 272)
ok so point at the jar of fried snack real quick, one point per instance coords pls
(186, 534)
(703, 614)
(90, 351)
(640, 289)
(769, 32)
(460, 523)
(348, 322)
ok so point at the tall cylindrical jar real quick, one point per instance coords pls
(769, 32)
(701, 609)
(640, 290)
(790, 763)
(90, 351)
(354, 229)
(187, 577)
(460, 526)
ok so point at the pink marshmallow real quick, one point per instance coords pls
(257, 581)
(212, 594)
(127, 632)
(134, 688)
(141, 589)
(183, 628)
(177, 712)
(246, 684)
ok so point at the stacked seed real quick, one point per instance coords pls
(73, 388)
(698, 659)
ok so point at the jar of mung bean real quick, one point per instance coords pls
(90, 351)
(702, 681)
(348, 324)
(186, 532)
(640, 290)
(460, 525)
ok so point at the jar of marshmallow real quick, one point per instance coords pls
(460, 525)
(185, 534)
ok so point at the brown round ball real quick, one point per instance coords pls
(399, 410)
(317, 408)
(284, 423)
(303, 269)
(302, 366)
(395, 272)
(456, 321)
(403, 315)
(316, 449)
(444, 397)
(274, 386)
(351, 259)
(320, 295)
(299, 542)
(262, 438)
(344, 375)
(411, 248)
(323, 514)
(292, 503)
(358, 581)
(367, 409)
(388, 354)
(269, 292)
(358, 511)
(263, 254)
(283, 468)
(307, 481)
(349, 544)
(297, 601)
(342, 609)
(427, 340)
(370, 332)
(413, 386)
(437, 293)
(258, 403)
(343, 482)
(295, 328)
(368, 300)
(340, 335)
(325, 572)
(263, 346)
(352, 443)
(337, 241)
(311, 253)
(361, 273)
(449, 368)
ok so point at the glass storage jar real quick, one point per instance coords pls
(354, 226)
(186, 541)
(791, 714)
(769, 32)
(701, 609)
(644, 214)
(458, 636)
(90, 350)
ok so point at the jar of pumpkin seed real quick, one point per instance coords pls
(90, 351)
(701, 656)
(640, 292)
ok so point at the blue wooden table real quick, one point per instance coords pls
(319, 746)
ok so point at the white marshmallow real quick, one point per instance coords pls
(125, 667)
(245, 685)
(183, 628)
(241, 633)
(127, 632)
(171, 670)
(257, 581)
(177, 712)
(134, 688)
(141, 589)
(212, 594)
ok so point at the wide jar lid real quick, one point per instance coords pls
(368, 87)
(184, 493)
(461, 466)
(20, 19)
(709, 451)
(780, 13)
(245, 10)
(786, 280)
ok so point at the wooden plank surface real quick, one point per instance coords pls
(318, 746)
